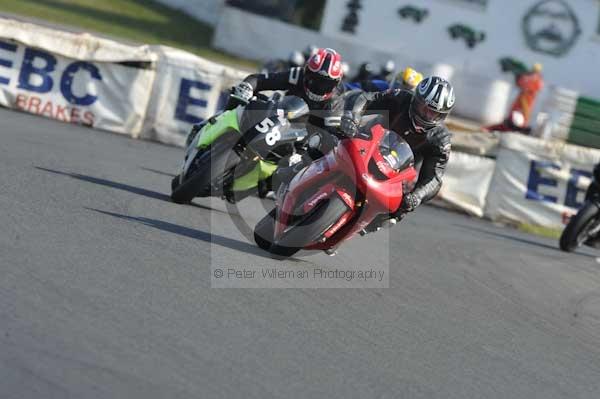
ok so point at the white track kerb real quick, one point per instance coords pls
(157, 93)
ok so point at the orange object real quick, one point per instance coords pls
(530, 84)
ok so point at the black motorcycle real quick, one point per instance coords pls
(584, 227)
(235, 153)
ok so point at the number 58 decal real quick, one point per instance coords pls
(267, 126)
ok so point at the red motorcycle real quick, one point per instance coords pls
(347, 191)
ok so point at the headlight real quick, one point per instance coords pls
(314, 141)
(395, 151)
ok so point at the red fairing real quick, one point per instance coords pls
(344, 172)
(326, 62)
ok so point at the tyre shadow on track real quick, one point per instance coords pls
(190, 233)
(122, 186)
(520, 240)
(158, 172)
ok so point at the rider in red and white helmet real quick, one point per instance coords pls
(322, 75)
(318, 83)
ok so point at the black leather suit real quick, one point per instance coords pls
(326, 114)
(324, 117)
(432, 147)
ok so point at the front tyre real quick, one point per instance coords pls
(211, 164)
(264, 230)
(576, 232)
(174, 183)
(310, 227)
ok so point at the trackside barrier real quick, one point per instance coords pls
(187, 90)
(74, 78)
(538, 181)
(152, 92)
(157, 92)
(466, 182)
(242, 33)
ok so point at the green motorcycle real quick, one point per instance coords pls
(235, 153)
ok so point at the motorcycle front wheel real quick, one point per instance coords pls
(210, 165)
(576, 232)
(308, 228)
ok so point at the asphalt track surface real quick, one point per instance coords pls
(105, 292)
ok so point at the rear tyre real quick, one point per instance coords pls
(310, 227)
(216, 160)
(576, 231)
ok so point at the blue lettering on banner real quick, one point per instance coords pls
(6, 63)
(536, 179)
(185, 100)
(28, 69)
(66, 83)
(573, 190)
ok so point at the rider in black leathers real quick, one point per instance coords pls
(319, 84)
(418, 118)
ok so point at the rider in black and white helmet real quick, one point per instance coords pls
(419, 119)
(434, 99)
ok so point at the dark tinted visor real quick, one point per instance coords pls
(319, 85)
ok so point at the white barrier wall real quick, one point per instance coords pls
(502, 22)
(539, 182)
(83, 79)
(71, 77)
(466, 182)
(187, 91)
(243, 34)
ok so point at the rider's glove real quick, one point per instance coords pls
(242, 92)
(348, 125)
(410, 202)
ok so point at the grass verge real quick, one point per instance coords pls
(141, 21)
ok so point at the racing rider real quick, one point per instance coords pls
(409, 78)
(318, 83)
(419, 119)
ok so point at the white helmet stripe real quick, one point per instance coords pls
(294, 75)
(451, 98)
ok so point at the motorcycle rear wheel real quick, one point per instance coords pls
(576, 231)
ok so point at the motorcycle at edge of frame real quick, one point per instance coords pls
(584, 227)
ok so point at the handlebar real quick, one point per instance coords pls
(262, 97)
(274, 98)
